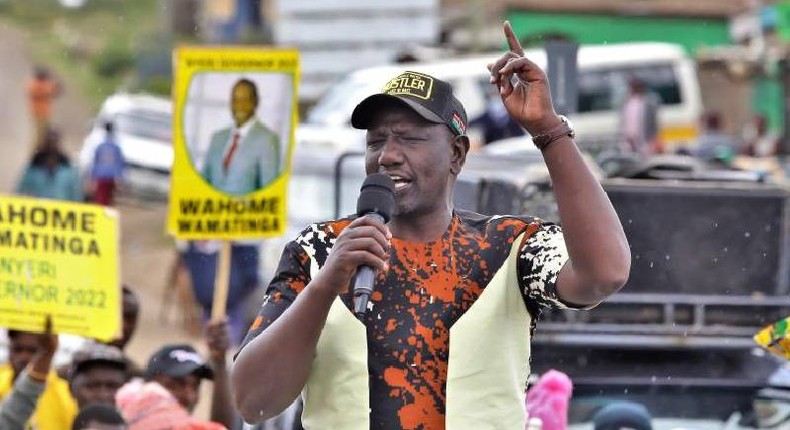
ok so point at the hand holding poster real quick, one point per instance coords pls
(235, 112)
(61, 259)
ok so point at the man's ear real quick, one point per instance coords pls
(459, 147)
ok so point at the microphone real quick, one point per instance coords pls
(376, 201)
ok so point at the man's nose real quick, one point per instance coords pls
(107, 395)
(391, 153)
(26, 356)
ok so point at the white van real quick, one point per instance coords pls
(603, 74)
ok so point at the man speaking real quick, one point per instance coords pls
(444, 341)
(245, 157)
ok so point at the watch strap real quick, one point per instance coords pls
(543, 140)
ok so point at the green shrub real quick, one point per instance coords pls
(161, 85)
(114, 60)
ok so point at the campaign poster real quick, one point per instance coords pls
(60, 259)
(234, 120)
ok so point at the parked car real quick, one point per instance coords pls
(143, 129)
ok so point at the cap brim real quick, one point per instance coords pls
(87, 364)
(365, 110)
(190, 368)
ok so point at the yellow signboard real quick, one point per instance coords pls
(61, 259)
(234, 119)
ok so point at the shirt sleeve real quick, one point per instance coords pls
(19, 406)
(293, 274)
(120, 162)
(75, 188)
(541, 256)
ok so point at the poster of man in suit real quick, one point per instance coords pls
(234, 121)
(245, 155)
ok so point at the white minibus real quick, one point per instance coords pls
(604, 71)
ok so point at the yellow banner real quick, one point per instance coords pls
(234, 120)
(61, 259)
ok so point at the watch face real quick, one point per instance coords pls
(568, 122)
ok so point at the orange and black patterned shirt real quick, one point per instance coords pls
(428, 287)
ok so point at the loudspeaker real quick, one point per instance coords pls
(705, 237)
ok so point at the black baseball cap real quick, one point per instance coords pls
(430, 97)
(177, 361)
(616, 416)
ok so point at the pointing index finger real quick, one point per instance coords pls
(512, 40)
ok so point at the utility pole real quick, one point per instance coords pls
(784, 144)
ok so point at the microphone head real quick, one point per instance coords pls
(377, 194)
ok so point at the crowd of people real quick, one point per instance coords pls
(102, 384)
(50, 172)
(640, 131)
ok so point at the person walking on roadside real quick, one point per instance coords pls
(50, 174)
(42, 89)
(107, 168)
(639, 119)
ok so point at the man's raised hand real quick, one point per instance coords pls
(524, 87)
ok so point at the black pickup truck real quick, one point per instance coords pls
(710, 267)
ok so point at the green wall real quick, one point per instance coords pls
(596, 29)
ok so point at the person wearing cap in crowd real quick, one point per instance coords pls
(180, 369)
(99, 417)
(130, 314)
(622, 415)
(20, 403)
(30, 358)
(445, 276)
(148, 406)
(97, 373)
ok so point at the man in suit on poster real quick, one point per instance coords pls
(246, 156)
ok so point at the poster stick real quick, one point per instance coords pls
(221, 282)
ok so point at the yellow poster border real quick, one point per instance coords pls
(188, 185)
(74, 288)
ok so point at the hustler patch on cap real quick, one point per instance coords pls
(410, 84)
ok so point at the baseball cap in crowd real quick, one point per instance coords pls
(177, 361)
(430, 97)
(95, 354)
(622, 415)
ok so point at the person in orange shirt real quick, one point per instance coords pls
(41, 90)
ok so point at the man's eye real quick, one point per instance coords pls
(413, 139)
